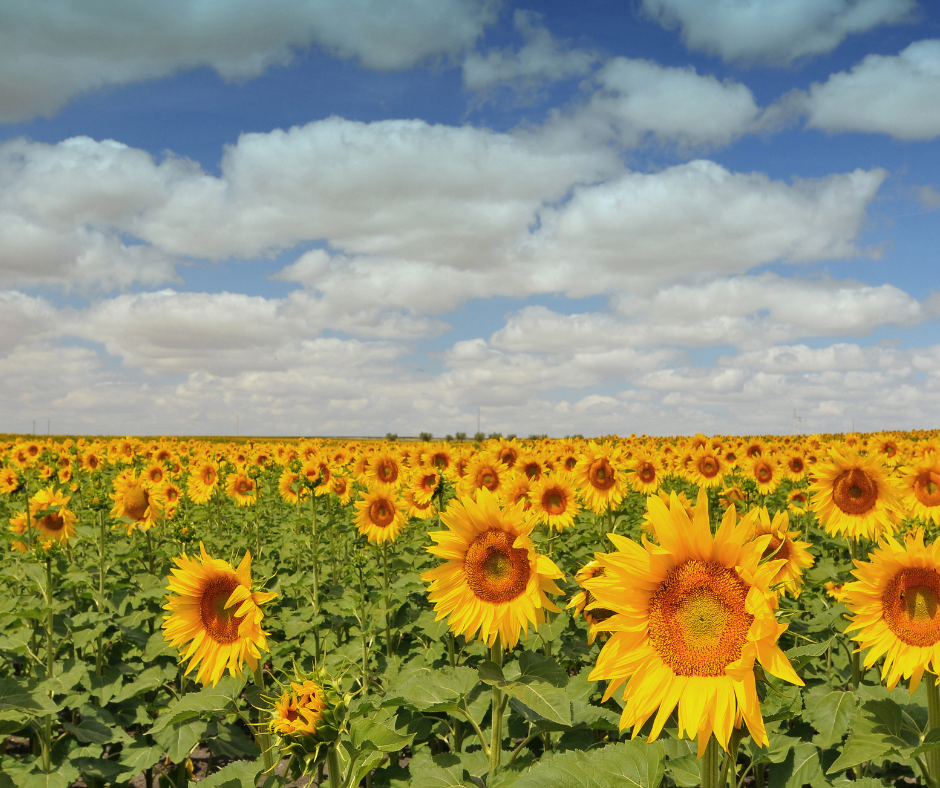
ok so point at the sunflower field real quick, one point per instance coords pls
(723, 611)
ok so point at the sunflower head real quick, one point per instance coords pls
(493, 584)
(583, 601)
(381, 516)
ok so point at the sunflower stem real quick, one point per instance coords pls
(333, 771)
(102, 570)
(29, 524)
(149, 550)
(316, 574)
(711, 763)
(933, 715)
(729, 762)
(611, 528)
(496, 710)
(50, 668)
(388, 619)
(264, 740)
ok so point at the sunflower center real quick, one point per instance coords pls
(601, 474)
(778, 548)
(647, 472)
(388, 472)
(708, 467)
(156, 475)
(796, 465)
(381, 513)
(136, 501)
(910, 606)
(489, 480)
(927, 488)
(496, 571)
(554, 502)
(221, 624)
(208, 476)
(764, 473)
(854, 491)
(698, 622)
(533, 470)
(51, 522)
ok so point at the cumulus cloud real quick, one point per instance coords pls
(635, 98)
(884, 94)
(542, 59)
(50, 52)
(772, 31)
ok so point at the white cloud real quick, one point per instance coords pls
(635, 98)
(884, 94)
(770, 30)
(541, 59)
(52, 51)
(928, 197)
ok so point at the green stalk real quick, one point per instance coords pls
(29, 522)
(496, 711)
(610, 520)
(264, 740)
(316, 575)
(102, 542)
(388, 618)
(149, 551)
(933, 714)
(711, 763)
(729, 762)
(333, 770)
(50, 668)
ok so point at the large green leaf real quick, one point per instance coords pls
(624, 765)
(437, 690)
(861, 747)
(238, 774)
(26, 696)
(536, 700)
(178, 740)
(366, 734)
(832, 717)
(216, 700)
(801, 767)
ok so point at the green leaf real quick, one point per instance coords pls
(537, 666)
(178, 740)
(137, 757)
(860, 747)
(801, 767)
(366, 734)
(624, 765)
(433, 690)
(685, 771)
(443, 771)
(98, 768)
(802, 655)
(104, 687)
(539, 700)
(238, 774)
(217, 700)
(25, 695)
(550, 632)
(832, 717)
(931, 742)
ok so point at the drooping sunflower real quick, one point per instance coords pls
(766, 471)
(381, 517)
(289, 486)
(692, 615)
(342, 488)
(215, 616)
(895, 610)
(784, 545)
(920, 486)
(202, 481)
(242, 488)
(50, 516)
(137, 499)
(600, 477)
(493, 583)
(797, 501)
(583, 601)
(9, 481)
(555, 501)
(854, 496)
(300, 710)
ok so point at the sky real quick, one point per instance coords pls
(357, 217)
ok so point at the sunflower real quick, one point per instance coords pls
(424, 481)
(493, 584)
(555, 502)
(214, 613)
(784, 546)
(485, 470)
(419, 509)
(136, 499)
(9, 481)
(647, 473)
(242, 488)
(531, 465)
(342, 488)
(518, 490)
(583, 601)
(794, 465)
(50, 517)
(692, 615)
(755, 447)
(381, 518)
(439, 457)
(894, 608)
(733, 496)
(300, 710)
(797, 501)
(766, 472)
(852, 495)
(202, 481)
(155, 472)
(600, 477)
(920, 486)
(706, 468)
(289, 486)
(835, 591)
(385, 470)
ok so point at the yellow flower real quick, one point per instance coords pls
(895, 610)
(600, 477)
(493, 583)
(215, 616)
(766, 472)
(50, 517)
(692, 615)
(784, 546)
(554, 502)
(852, 495)
(242, 488)
(706, 468)
(135, 498)
(583, 601)
(300, 710)
(380, 517)
(9, 481)
(647, 473)
(920, 486)
(202, 481)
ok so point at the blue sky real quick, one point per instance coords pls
(325, 218)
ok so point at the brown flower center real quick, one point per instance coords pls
(387, 471)
(910, 606)
(221, 624)
(854, 491)
(496, 571)
(533, 470)
(554, 501)
(796, 465)
(51, 522)
(708, 467)
(927, 488)
(489, 479)
(763, 472)
(136, 501)
(647, 472)
(601, 475)
(698, 622)
(382, 513)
